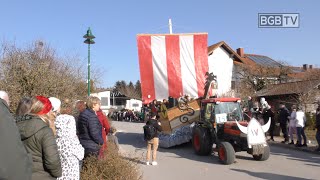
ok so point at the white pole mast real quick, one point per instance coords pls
(170, 26)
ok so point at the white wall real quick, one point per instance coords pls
(221, 65)
(130, 104)
(134, 104)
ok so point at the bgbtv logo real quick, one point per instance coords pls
(278, 20)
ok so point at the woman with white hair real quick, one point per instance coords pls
(90, 128)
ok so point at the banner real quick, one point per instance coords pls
(172, 65)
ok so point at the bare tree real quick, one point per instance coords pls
(38, 70)
(254, 77)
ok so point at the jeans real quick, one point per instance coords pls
(155, 143)
(271, 130)
(300, 131)
(284, 129)
(292, 130)
(318, 137)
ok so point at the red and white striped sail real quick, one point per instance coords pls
(172, 65)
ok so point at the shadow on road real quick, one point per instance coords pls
(296, 156)
(186, 151)
(133, 139)
(264, 175)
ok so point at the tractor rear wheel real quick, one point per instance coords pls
(226, 153)
(201, 141)
(264, 156)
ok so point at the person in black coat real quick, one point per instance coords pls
(90, 128)
(266, 115)
(284, 119)
(15, 163)
(154, 141)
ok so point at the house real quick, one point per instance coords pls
(223, 62)
(305, 93)
(111, 99)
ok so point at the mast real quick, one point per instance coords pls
(170, 26)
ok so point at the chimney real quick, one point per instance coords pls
(310, 66)
(240, 51)
(305, 66)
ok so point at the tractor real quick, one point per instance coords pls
(218, 124)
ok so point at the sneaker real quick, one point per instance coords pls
(304, 145)
(291, 142)
(284, 142)
(154, 163)
(270, 139)
(147, 163)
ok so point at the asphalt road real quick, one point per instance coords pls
(181, 162)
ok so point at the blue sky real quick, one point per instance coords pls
(116, 24)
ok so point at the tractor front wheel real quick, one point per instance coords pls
(264, 156)
(201, 141)
(226, 153)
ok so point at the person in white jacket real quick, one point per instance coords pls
(70, 150)
(300, 123)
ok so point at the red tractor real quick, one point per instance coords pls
(217, 125)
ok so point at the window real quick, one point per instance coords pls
(233, 85)
(104, 101)
(209, 109)
(135, 105)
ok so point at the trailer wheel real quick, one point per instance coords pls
(264, 156)
(201, 141)
(226, 153)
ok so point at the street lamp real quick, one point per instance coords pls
(89, 40)
(113, 93)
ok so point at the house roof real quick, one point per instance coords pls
(227, 48)
(289, 88)
(263, 60)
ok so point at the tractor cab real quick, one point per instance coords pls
(220, 116)
(221, 110)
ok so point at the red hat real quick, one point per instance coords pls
(47, 105)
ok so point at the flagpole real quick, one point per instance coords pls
(170, 26)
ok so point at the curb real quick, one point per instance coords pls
(303, 149)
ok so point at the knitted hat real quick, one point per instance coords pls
(56, 103)
(47, 105)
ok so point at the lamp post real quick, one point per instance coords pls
(113, 98)
(89, 40)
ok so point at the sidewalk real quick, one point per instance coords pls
(310, 148)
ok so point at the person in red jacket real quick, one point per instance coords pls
(105, 130)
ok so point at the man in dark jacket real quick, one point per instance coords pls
(154, 141)
(318, 127)
(15, 163)
(266, 115)
(284, 119)
(90, 129)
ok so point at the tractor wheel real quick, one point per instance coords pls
(201, 141)
(226, 153)
(264, 156)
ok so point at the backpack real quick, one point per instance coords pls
(149, 132)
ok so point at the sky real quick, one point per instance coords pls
(115, 24)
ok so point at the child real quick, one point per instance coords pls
(113, 138)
